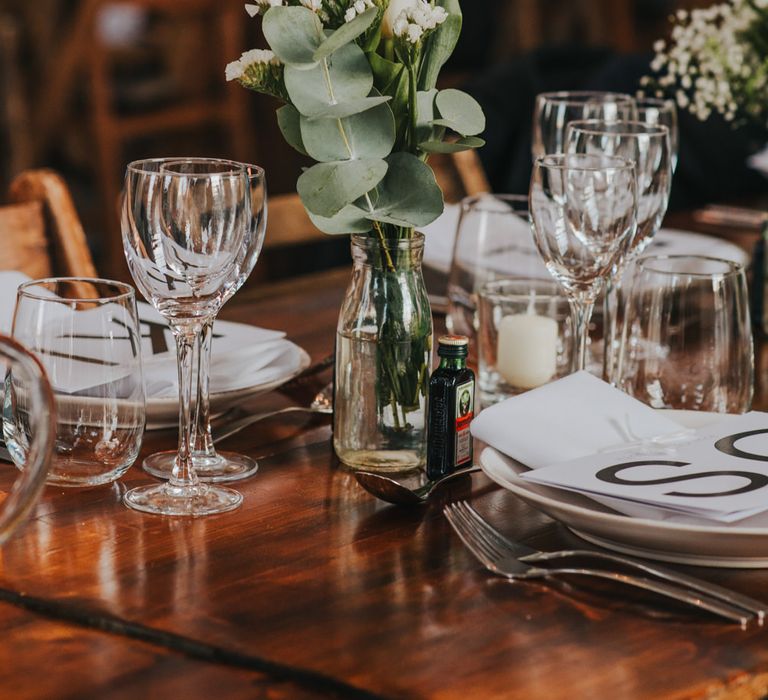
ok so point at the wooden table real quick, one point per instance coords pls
(314, 589)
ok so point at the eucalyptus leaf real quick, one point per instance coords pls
(425, 102)
(288, 119)
(345, 109)
(408, 196)
(350, 219)
(391, 78)
(294, 34)
(343, 77)
(460, 112)
(440, 45)
(349, 31)
(370, 134)
(326, 188)
(464, 144)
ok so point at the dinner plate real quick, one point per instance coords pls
(164, 412)
(648, 532)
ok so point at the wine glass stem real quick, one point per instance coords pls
(582, 313)
(183, 474)
(203, 442)
(610, 315)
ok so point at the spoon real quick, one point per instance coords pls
(391, 491)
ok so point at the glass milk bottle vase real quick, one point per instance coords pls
(383, 358)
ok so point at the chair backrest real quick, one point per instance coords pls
(40, 230)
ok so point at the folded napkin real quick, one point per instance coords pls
(243, 356)
(572, 417)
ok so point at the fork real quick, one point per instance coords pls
(529, 555)
(498, 560)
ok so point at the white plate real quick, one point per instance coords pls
(650, 532)
(164, 412)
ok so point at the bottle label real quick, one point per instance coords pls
(465, 411)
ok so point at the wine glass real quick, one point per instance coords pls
(29, 430)
(688, 341)
(554, 110)
(185, 226)
(493, 241)
(584, 210)
(648, 146)
(210, 465)
(654, 110)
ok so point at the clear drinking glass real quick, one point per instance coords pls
(688, 339)
(648, 146)
(493, 241)
(653, 110)
(210, 465)
(29, 430)
(584, 210)
(86, 334)
(553, 112)
(184, 230)
(525, 337)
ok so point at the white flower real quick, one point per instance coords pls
(357, 7)
(393, 12)
(314, 5)
(413, 22)
(236, 69)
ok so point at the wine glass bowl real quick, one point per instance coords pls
(553, 111)
(648, 146)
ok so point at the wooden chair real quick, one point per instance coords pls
(40, 230)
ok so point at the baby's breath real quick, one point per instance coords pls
(716, 60)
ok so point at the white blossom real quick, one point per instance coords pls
(357, 7)
(236, 69)
(712, 61)
(413, 22)
(392, 13)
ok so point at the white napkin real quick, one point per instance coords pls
(572, 417)
(243, 356)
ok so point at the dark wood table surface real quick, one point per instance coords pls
(314, 589)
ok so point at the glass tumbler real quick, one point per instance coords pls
(687, 340)
(86, 334)
(525, 337)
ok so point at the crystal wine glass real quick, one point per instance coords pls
(554, 110)
(584, 210)
(210, 465)
(184, 229)
(648, 146)
(654, 110)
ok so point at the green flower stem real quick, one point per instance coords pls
(413, 109)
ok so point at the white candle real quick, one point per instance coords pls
(526, 354)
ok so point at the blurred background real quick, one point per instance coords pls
(88, 85)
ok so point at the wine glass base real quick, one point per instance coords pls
(191, 501)
(222, 467)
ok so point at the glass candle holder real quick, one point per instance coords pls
(525, 337)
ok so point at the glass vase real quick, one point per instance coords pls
(383, 358)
